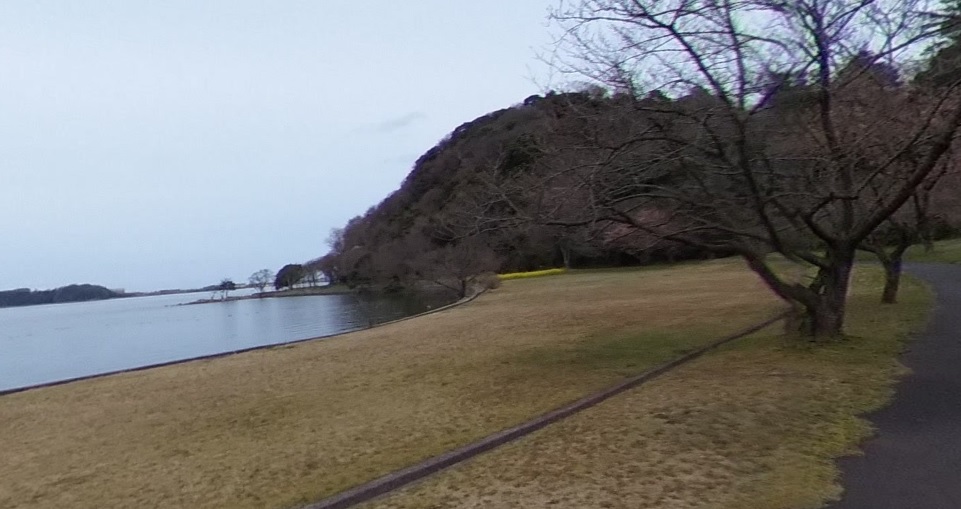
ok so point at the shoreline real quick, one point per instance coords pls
(297, 292)
(43, 385)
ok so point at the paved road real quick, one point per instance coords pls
(915, 461)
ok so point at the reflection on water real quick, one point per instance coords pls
(41, 344)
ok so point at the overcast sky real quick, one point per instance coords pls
(161, 144)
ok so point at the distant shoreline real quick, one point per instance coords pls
(296, 292)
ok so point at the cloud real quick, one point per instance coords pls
(397, 123)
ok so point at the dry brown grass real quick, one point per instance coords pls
(284, 426)
(755, 426)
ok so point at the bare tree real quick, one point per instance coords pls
(872, 92)
(329, 265)
(456, 267)
(708, 147)
(335, 240)
(261, 279)
(311, 274)
(915, 223)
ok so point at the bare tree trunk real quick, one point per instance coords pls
(819, 307)
(818, 283)
(892, 281)
(565, 255)
(892, 271)
(892, 263)
(826, 312)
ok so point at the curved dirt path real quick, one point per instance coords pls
(914, 462)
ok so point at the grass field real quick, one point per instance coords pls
(945, 251)
(280, 427)
(756, 425)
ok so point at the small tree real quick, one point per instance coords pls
(914, 224)
(311, 274)
(225, 286)
(328, 265)
(457, 267)
(288, 276)
(261, 279)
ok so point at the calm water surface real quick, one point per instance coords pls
(54, 342)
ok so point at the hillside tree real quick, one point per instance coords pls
(459, 266)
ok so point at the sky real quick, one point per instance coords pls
(169, 144)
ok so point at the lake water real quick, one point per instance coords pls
(48, 343)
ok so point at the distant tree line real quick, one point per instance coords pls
(70, 293)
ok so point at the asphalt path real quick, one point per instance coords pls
(914, 461)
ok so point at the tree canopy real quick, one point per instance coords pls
(288, 276)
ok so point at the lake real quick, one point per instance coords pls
(48, 343)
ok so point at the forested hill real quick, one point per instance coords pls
(597, 178)
(608, 177)
(69, 293)
(448, 212)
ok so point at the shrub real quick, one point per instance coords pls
(489, 281)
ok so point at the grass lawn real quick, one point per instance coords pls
(945, 251)
(756, 425)
(280, 427)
